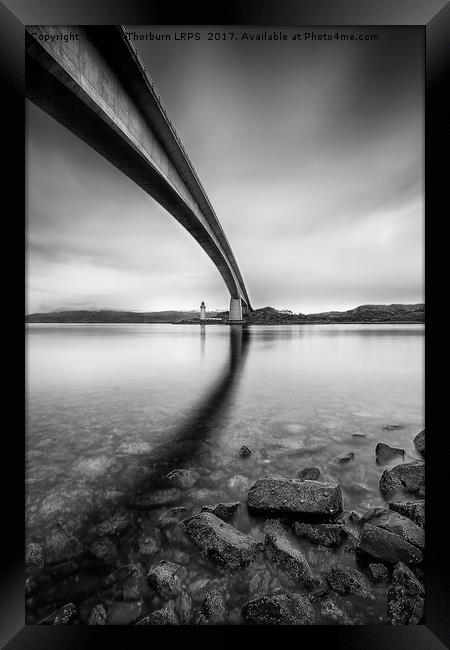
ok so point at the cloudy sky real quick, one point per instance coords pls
(310, 152)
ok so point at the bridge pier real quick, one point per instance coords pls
(235, 313)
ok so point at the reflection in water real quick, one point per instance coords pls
(113, 409)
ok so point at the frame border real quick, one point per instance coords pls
(434, 17)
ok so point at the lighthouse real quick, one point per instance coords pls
(202, 311)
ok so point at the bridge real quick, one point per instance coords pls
(92, 81)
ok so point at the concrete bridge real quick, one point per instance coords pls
(92, 80)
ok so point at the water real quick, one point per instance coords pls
(113, 408)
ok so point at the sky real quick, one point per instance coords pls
(311, 153)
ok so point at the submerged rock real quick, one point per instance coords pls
(149, 544)
(414, 510)
(260, 582)
(331, 612)
(105, 550)
(326, 534)
(160, 617)
(34, 556)
(113, 525)
(387, 547)
(225, 545)
(344, 458)
(285, 558)
(393, 427)
(182, 478)
(384, 453)
(97, 615)
(396, 523)
(245, 451)
(212, 611)
(156, 498)
(345, 580)
(309, 473)
(165, 579)
(122, 613)
(172, 517)
(279, 609)
(405, 598)
(378, 572)
(419, 442)
(62, 616)
(61, 545)
(279, 494)
(408, 478)
(224, 511)
(238, 483)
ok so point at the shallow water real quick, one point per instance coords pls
(113, 408)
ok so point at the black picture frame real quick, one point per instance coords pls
(434, 17)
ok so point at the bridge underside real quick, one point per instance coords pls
(98, 88)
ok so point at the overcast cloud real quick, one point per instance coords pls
(310, 152)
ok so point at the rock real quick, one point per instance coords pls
(105, 550)
(351, 543)
(97, 615)
(396, 523)
(279, 609)
(393, 427)
(414, 510)
(172, 517)
(61, 545)
(202, 586)
(278, 494)
(220, 542)
(345, 580)
(408, 478)
(156, 498)
(149, 544)
(244, 451)
(224, 511)
(34, 556)
(182, 478)
(359, 435)
(212, 611)
(238, 483)
(165, 579)
(387, 547)
(378, 572)
(419, 442)
(160, 617)
(62, 616)
(344, 458)
(331, 612)
(285, 557)
(113, 525)
(259, 584)
(122, 613)
(384, 453)
(326, 534)
(309, 473)
(405, 597)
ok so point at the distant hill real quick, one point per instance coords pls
(110, 316)
(362, 314)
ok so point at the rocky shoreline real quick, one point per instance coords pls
(303, 519)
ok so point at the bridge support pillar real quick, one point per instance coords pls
(235, 314)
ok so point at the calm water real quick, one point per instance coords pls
(113, 408)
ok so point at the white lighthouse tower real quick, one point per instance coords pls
(202, 311)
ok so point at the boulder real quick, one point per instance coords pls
(278, 494)
(419, 442)
(160, 617)
(166, 579)
(279, 609)
(213, 610)
(396, 523)
(309, 473)
(286, 559)
(245, 451)
(97, 615)
(345, 580)
(378, 572)
(225, 545)
(387, 547)
(326, 534)
(182, 478)
(407, 478)
(34, 556)
(384, 453)
(331, 612)
(414, 510)
(406, 597)
(224, 511)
